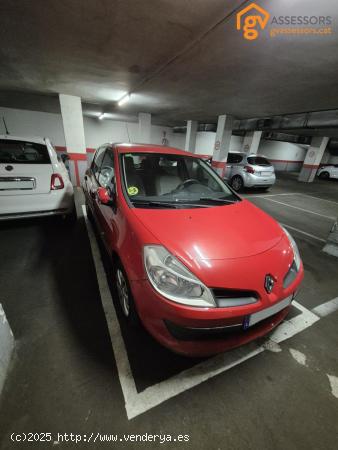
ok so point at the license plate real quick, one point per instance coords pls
(13, 184)
(265, 174)
(251, 320)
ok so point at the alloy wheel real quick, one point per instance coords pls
(122, 292)
(237, 183)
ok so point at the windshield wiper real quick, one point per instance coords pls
(153, 203)
(157, 204)
(217, 200)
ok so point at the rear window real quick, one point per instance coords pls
(22, 152)
(258, 161)
(234, 158)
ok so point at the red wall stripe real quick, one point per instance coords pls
(218, 164)
(310, 166)
(77, 156)
(285, 161)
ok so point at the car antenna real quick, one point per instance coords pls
(128, 133)
(4, 121)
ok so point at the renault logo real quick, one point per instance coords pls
(269, 283)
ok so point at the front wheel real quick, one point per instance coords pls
(237, 183)
(125, 296)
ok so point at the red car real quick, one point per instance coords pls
(203, 269)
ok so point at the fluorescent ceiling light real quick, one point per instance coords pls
(124, 100)
(101, 116)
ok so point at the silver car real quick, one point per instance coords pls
(327, 172)
(252, 171)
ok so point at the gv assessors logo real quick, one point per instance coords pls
(251, 19)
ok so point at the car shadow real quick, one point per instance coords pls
(57, 289)
(150, 362)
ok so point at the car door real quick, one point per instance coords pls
(90, 179)
(106, 214)
(233, 166)
(334, 171)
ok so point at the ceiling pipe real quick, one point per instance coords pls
(310, 120)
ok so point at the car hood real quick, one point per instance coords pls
(222, 232)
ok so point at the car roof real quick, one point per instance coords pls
(35, 139)
(150, 148)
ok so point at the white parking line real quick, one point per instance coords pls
(138, 403)
(268, 195)
(303, 232)
(319, 198)
(300, 209)
(326, 308)
(122, 362)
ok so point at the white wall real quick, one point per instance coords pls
(97, 132)
(283, 155)
(205, 142)
(33, 123)
(333, 160)
(277, 150)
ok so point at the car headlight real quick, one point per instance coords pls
(293, 244)
(173, 280)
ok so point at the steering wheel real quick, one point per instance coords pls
(185, 184)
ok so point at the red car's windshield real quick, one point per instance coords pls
(172, 180)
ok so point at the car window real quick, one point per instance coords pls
(22, 152)
(258, 161)
(172, 180)
(106, 173)
(97, 161)
(234, 158)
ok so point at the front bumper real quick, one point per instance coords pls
(201, 332)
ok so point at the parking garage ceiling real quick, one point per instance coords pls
(184, 61)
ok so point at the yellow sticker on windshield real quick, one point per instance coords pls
(132, 190)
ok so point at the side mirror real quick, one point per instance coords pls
(64, 157)
(104, 196)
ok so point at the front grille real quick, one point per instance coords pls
(199, 334)
(215, 333)
(234, 297)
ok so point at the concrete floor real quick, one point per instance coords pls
(64, 376)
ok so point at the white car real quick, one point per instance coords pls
(327, 172)
(251, 171)
(33, 179)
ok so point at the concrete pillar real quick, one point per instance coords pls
(144, 128)
(72, 119)
(313, 158)
(222, 144)
(190, 139)
(251, 141)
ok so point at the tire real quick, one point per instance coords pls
(324, 175)
(237, 183)
(125, 296)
